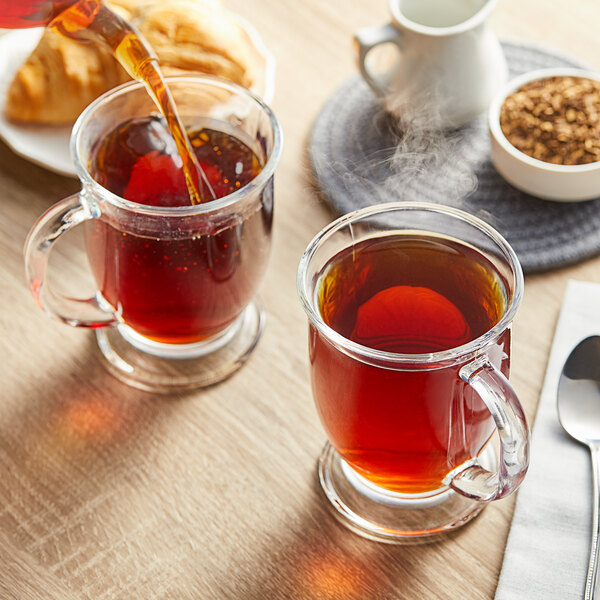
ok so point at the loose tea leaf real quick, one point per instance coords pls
(556, 120)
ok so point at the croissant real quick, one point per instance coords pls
(62, 76)
(188, 35)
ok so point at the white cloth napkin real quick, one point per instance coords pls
(548, 545)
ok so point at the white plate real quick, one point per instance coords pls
(45, 145)
(48, 145)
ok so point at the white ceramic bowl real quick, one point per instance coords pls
(561, 183)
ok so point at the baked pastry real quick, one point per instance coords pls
(197, 36)
(62, 76)
(60, 79)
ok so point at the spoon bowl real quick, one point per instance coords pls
(579, 392)
(579, 414)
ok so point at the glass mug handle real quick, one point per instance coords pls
(501, 400)
(56, 221)
(366, 39)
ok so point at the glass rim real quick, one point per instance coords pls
(307, 296)
(234, 198)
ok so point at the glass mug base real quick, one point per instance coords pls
(163, 368)
(391, 517)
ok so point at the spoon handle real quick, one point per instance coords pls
(592, 589)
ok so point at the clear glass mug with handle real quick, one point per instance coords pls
(176, 305)
(410, 307)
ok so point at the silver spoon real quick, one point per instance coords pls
(579, 414)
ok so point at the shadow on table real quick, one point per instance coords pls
(71, 429)
(315, 557)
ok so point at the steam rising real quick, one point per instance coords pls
(400, 152)
(424, 153)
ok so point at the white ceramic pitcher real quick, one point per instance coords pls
(448, 64)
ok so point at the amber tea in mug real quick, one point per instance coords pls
(405, 294)
(176, 303)
(177, 290)
(410, 307)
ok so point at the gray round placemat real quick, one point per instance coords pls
(358, 162)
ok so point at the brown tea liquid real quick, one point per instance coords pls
(182, 287)
(411, 295)
(405, 430)
(92, 20)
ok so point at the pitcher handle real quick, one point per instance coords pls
(501, 400)
(56, 221)
(365, 40)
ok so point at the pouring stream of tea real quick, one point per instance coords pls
(92, 20)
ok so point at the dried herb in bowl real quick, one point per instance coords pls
(555, 119)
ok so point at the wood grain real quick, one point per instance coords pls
(111, 493)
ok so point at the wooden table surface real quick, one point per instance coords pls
(107, 492)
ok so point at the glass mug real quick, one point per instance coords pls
(410, 307)
(176, 305)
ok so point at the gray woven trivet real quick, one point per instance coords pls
(352, 154)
